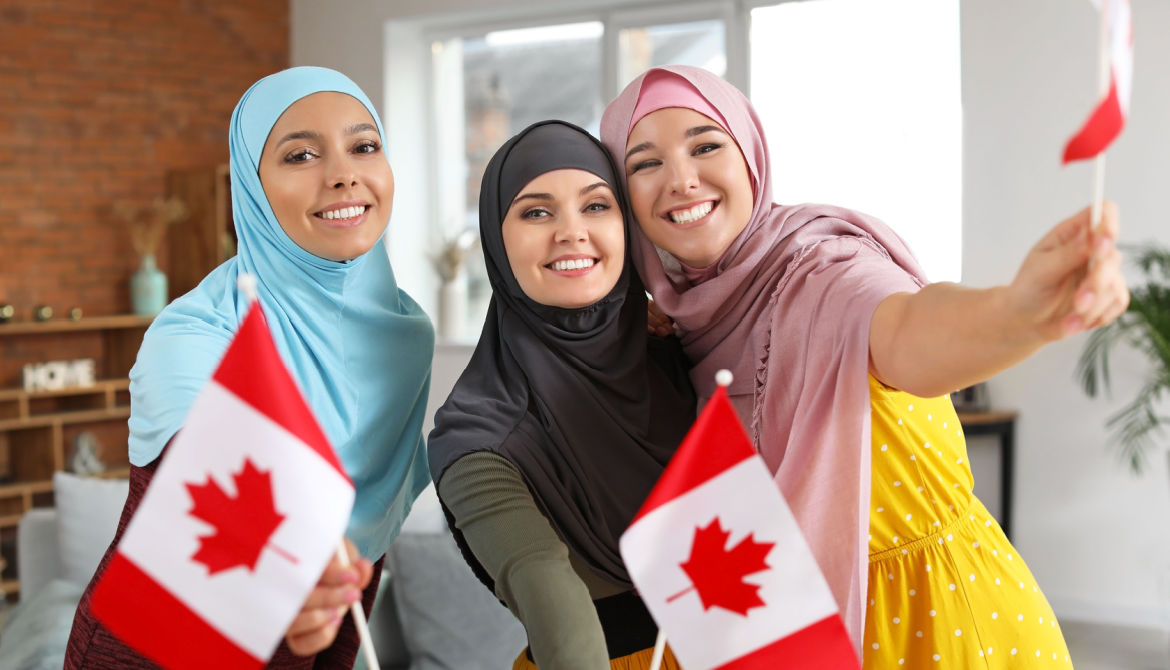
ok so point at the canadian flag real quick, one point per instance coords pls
(1108, 118)
(717, 557)
(239, 522)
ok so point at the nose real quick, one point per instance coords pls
(572, 228)
(342, 173)
(683, 176)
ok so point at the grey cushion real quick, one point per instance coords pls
(449, 619)
(88, 512)
(37, 630)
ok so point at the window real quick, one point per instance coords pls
(860, 102)
(697, 43)
(489, 86)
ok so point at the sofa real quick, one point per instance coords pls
(431, 612)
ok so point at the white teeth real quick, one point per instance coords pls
(343, 213)
(578, 264)
(693, 214)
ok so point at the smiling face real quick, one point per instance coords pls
(689, 184)
(565, 239)
(326, 177)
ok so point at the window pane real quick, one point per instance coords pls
(698, 43)
(486, 90)
(861, 102)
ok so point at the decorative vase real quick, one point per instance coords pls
(148, 288)
(453, 307)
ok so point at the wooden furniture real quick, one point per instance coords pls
(207, 237)
(1001, 424)
(38, 429)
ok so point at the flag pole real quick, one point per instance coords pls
(722, 378)
(247, 285)
(1102, 90)
(359, 617)
(659, 649)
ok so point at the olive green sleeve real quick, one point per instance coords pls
(529, 563)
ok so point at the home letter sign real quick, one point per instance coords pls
(57, 375)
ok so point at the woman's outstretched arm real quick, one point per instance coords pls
(948, 336)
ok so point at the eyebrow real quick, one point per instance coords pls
(549, 196)
(691, 132)
(316, 136)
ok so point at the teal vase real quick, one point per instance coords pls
(148, 288)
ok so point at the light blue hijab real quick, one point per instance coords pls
(358, 346)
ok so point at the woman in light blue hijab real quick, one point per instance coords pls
(311, 198)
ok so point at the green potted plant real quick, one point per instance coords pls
(1145, 327)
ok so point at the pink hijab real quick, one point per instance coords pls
(787, 310)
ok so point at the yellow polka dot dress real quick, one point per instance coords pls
(946, 588)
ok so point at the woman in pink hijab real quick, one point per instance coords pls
(843, 357)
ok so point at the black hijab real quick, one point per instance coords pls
(583, 402)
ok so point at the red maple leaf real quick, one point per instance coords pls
(717, 573)
(243, 524)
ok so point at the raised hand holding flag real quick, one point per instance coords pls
(240, 519)
(721, 564)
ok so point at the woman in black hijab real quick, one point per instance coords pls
(567, 413)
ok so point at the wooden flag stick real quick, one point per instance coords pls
(1102, 91)
(359, 617)
(659, 650)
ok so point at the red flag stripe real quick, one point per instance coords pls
(695, 462)
(253, 371)
(149, 618)
(1100, 130)
(820, 645)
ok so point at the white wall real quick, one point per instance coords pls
(1096, 537)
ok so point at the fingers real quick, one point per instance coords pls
(365, 572)
(657, 322)
(338, 574)
(1110, 225)
(315, 626)
(313, 631)
(1102, 295)
(322, 597)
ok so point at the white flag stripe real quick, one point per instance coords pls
(252, 609)
(746, 500)
(1121, 50)
(1120, 47)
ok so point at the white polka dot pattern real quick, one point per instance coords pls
(938, 560)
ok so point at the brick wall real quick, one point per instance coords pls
(97, 101)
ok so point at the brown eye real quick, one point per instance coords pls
(299, 156)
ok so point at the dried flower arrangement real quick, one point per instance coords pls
(148, 223)
(453, 254)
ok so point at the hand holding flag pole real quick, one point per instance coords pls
(359, 618)
(247, 285)
(240, 519)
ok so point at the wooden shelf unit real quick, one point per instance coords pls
(207, 237)
(38, 429)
